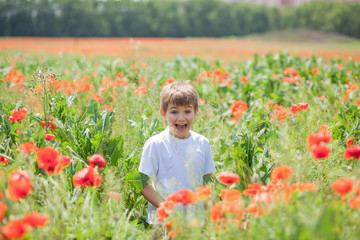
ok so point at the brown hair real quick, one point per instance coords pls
(179, 94)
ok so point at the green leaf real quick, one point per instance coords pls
(137, 179)
(114, 150)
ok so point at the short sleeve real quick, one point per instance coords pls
(148, 163)
(209, 161)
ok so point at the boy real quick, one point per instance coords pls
(176, 158)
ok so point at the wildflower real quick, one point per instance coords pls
(318, 137)
(87, 177)
(281, 172)
(228, 178)
(244, 79)
(28, 147)
(183, 196)
(320, 151)
(352, 152)
(216, 212)
(350, 141)
(238, 108)
(252, 189)
(304, 187)
(36, 219)
(201, 101)
(168, 205)
(48, 160)
(230, 195)
(342, 186)
(169, 81)
(4, 160)
(162, 213)
(15, 229)
(314, 71)
(65, 161)
(325, 128)
(168, 225)
(97, 160)
(354, 202)
(322, 97)
(19, 184)
(340, 66)
(114, 195)
(290, 71)
(52, 126)
(49, 136)
(3, 209)
(203, 192)
(18, 115)
(298, 107)
(253, 208)
(140, 91)
(109, 108)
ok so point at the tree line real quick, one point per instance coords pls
(164, 18)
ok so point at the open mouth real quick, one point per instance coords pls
(181, 127)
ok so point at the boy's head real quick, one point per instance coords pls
(178, 94)
(179, 106)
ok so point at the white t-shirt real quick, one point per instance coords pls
(175, 164)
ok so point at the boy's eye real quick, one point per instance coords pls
(173, 112)
(188, 111)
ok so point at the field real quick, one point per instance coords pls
(284, 130)
(301, 44)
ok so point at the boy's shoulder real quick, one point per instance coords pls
(198, 137)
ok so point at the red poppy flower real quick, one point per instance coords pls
(342, 186)
(298, 107)
(352, 152)
(314, 71)
(3, 209)
(114, 195)
(4, 160)
(87, 177)
(253, 208)
(15, 229)
(318, 137)
(162, 213)
(183, 196)
(36, 219)
(140, 91)
(355, 202)
(28, 147)
(228, 178)
(97, 160)
(203, 192)
(18, 115)
(350, 141)
(168, 205)
(252, 189)
(216, 212)
(65, 161)
(49, 136)
(281, 172)
(290, 71)
(48, 160)
(320, 151)
(19, 185)
(52, 126)
(230, 195)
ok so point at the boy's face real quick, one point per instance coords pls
(180, 119)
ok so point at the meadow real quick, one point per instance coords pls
(284, 132)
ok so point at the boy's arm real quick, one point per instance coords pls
(149, 192)
(151, 195)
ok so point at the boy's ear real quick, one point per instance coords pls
(162, 113)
